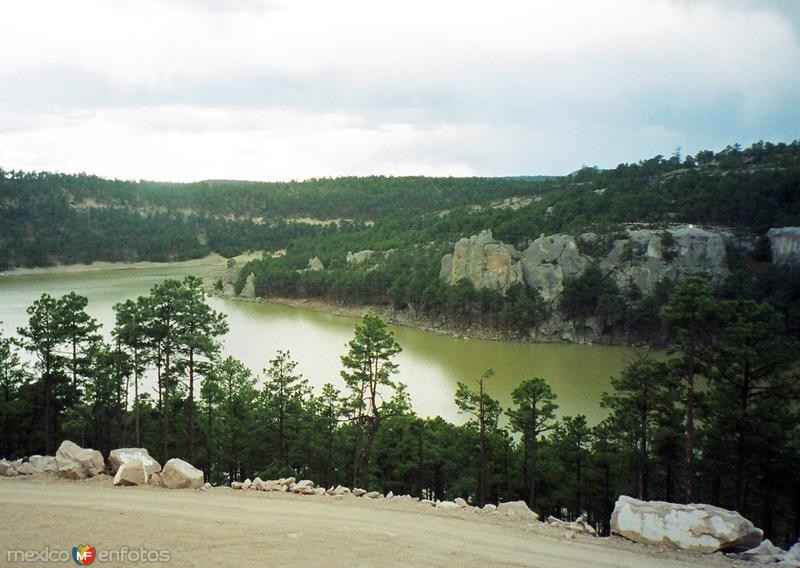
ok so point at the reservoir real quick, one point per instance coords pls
(430, 364)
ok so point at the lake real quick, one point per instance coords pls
(430, 364)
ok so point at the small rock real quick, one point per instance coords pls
(372, 495)
(446, 505)
(358, 492)
(390, 495)
(460, 502)
(247, 483)
(26, 469)
(236, 485)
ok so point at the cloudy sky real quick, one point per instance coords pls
(292, 89)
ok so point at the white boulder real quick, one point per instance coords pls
(517, 509)
(460, 502)
(358, 492)
(75, 462)
(121, 455)
(43, 463)
(132, 472)
(26, 469)
(178, 474)
(699, 527)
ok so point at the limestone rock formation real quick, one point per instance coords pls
(484, 261)
(132, 472)
(362, 256)
(178, 474)
(75, 462)
(549, 261)
(784, 244)
(249, 290)
(122, 455)
(704, 528)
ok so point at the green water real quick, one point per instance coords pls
(430, 364)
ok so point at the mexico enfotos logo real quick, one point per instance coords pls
(85, 555)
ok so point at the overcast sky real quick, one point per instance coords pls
(259, 89)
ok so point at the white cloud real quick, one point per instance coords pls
(194, 89)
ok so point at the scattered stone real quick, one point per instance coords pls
(206, 486)
(237, 485)
(178, 474)
(75, 462)
(699, 527)
(390, 495)
(42, 464)
(517, 508)
(319, 491)
(315, 264)
(766, 553)
(446, 505)
(372, 495)
(303, 487)
(26, 469)
(247, 483)
(287, 481)
(359, 492)
(489, 508)
(427, 502)
(155, 479)
(460, 502)
(132, 472)
(258, 484)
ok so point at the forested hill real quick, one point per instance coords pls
(47, 218)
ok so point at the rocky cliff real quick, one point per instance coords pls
(784, 244)
(639, 260)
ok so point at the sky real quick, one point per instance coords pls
(186, 90)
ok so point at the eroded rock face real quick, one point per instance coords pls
(229, 277)
(784, 244)
(704, 528)
(249, 290)
(178, 474)
(75, 462)
(646, 257)
(484, 261)
(549, 261)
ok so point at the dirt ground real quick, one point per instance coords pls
(223, 527)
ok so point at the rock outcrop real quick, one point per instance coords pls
(645, 257)
(549, 261)
(315, 264)
(75, 462)
(249, 290)
(178, 474)
(703, 528)
(784, 244)
(229, 277)
(484, 261)
(120, 456)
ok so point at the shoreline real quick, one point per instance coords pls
(404, 319)
(211, 261)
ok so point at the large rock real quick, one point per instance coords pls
(229, 277)
(75, 462)
(42, 464)
(178, 474)
(549, 261)
(518, 509)
(362, 256)
(249, 290)
(484, 261)
(704, 528)
(784, 244)
(646, 256)
(122, 455)
(132, 472)
(315, 264)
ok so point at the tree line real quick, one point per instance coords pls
(715, 420)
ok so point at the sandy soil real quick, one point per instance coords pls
(222, 527)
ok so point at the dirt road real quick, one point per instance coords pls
(222, 527)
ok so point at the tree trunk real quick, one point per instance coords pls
(190, 409)
(690, 429)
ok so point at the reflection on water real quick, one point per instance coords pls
(430, 364)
